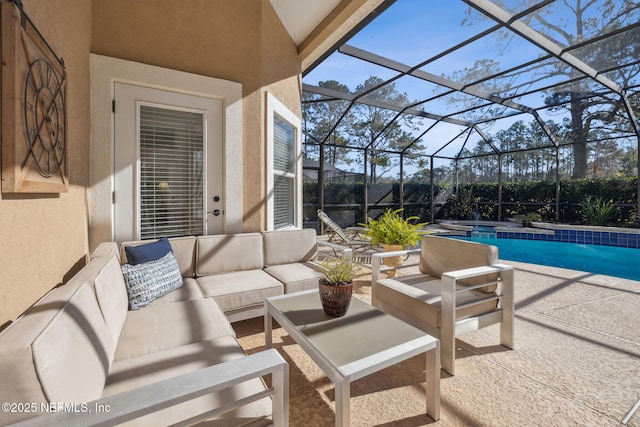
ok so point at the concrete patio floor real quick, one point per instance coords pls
(576, 363)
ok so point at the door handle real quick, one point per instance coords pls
(217, 212)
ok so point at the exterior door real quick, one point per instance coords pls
(168, 164)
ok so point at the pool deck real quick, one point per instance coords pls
(576, 363)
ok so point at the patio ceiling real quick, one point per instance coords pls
(301, 17)
(317, 27)
(470, 68)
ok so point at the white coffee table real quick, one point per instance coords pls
(360, 343)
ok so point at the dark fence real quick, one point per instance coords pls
(345, 202)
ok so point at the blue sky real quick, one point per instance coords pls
(411, 31)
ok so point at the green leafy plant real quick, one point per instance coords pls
(337, 271)
(392, 229)
(597, 211)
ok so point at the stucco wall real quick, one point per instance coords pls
(241, 41)
(44, 237)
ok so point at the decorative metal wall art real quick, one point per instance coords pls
(34, 108)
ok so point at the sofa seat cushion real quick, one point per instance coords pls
(419, 296)
(165, 326)
(240, 289)
(296, 276)
(188, 291)
(139, 371)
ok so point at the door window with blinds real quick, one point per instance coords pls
(284, 160)
(171, 172)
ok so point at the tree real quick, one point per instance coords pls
(375, 129)
(581, 20)
(320, 117)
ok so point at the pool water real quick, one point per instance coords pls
(608, 260)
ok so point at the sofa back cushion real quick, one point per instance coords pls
(111, 293)
(228, 252)
(106, 249)
(442, 254)
(184, 248)
(289, 246)
(59, 351)
(105, 275)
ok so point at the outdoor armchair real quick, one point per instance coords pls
(460, 288)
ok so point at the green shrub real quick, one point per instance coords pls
(392, 229)
(598, 211)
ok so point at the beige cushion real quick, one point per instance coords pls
(188, 291)
(106, 249)
(295, 277)
(110, 290)
(420, 297)
(183, 248)
(240, 289)
(143, 370)
(230, 252)
(439, 255)
(165, 326)
(111, 293)
(45, 353)
(289, 246)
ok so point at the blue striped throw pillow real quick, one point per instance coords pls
(151, 280)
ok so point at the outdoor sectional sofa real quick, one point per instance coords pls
(81, 343)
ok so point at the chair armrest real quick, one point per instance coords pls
(376, 261)
(467, 273)
(448, 305)
(346, 252)
(450, 279)
(147, 399)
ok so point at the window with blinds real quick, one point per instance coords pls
(171, 164)
(284, 171)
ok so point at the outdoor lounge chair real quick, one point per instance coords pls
(460, 288)
(343, 237)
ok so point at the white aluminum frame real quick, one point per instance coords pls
(449, 327)
(342, 376)
(276, 107)
(147, 399)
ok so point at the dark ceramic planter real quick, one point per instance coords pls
(335, 299)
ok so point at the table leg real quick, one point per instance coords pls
(343, 411)
(268, 322)
(433, 382)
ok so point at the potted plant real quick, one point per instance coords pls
(393, 232)
(336, 285)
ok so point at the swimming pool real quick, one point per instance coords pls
(608, 260)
